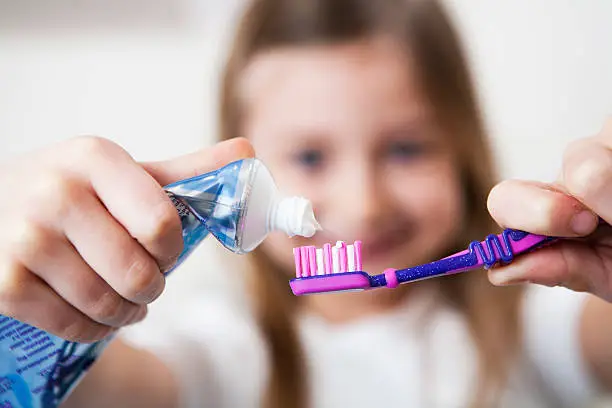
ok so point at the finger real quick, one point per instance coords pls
(605, 135)
(587, 175)
(203, 161)
(25, 297)
(132, 197)
(109, 250)
(57, 263)
(570, 264)
(540, 209)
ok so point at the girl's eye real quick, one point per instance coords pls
(405, 150)
(310, 159)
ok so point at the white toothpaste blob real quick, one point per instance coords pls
(294, 216)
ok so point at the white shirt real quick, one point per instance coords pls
(220, 361)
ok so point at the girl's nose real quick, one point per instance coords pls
(359, 197)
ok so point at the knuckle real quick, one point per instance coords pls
(143, 279)
(81, 329)
(88, 147)
(30, 240)
(163, 234)
(107, 308)
(60, 192)
(587, 175)
(577, 283)
(72, 329)
(575, 148)
(12, 286)
(144, 313)
(165, 221)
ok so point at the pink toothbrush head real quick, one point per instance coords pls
(329, 269)
(339, 268)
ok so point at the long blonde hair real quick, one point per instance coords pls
(422, 27)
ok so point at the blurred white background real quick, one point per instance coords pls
(145, 74)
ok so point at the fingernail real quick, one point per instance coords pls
(507, 276)
(167, 265)
(584, 222)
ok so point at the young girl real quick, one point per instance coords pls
(366, 108)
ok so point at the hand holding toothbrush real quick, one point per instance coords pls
(571, 208)
(535, 215)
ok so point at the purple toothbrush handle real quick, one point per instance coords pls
(495, 249)
(503, 247)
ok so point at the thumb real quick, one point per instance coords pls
(540, 209)
(200, 162)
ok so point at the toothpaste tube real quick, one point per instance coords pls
(238, 204)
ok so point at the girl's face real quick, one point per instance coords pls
(347, 127)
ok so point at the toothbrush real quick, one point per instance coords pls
(339, 268)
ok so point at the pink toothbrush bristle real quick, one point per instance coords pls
(310, 261)
(304, 261)
(298, 262)
(312, 258)
(342, 256)
(327, 259)
(358, 266)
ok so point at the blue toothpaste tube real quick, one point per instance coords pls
(238, 204)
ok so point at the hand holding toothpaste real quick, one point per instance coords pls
(568, 208)
(87, 232)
